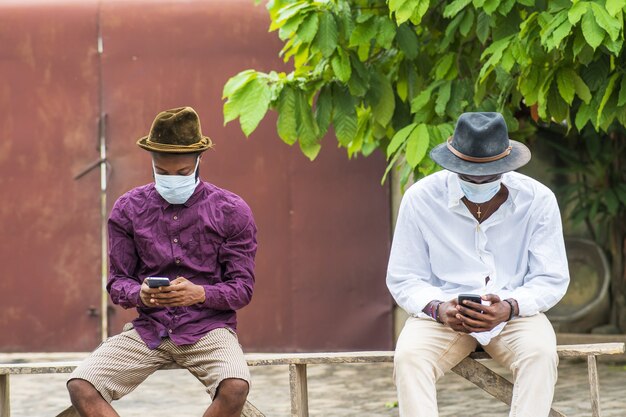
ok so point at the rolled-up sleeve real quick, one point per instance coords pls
(236, 258)
(122, 285)
(548, 274)
(409, 271)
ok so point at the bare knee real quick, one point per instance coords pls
(81, 391)
(233, 392)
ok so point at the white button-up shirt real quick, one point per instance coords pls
(439, 250)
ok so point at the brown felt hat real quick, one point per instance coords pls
(176, 131)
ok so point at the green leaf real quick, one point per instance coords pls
(560, 33)
(610, 86)
(399, 138)
(583, 115)
(566, 84)
(483, 27)
(455, 7)
(403, 9)
(622, 93)
(582, 91)
(421, 100)
(308, 29)
(308, 132)
(384, 107)
(344, 116)
(444, 65)
(557, 107)
(287, 124)
(407, 41)
(605, 21)
(615, 6)
(491, 6)
(386, 32)
(442, 98)
(324, 109)
(611, 201)
(417, 145)
(341, 66)
(254, 99)
(593, 33)
(326, 39)
(238, 81)
(577, 11)
(419, 11)
(467, 23)
(363, 34)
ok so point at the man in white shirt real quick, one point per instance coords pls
(477, 227)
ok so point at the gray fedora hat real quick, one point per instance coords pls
(481, 146)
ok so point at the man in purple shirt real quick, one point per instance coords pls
(203, 239)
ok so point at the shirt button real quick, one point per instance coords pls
(175, 217)
(175, 240)
(177, 260)
(171, 331)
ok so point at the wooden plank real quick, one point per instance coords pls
(490, 382)
(251, 411)
(594, 386)
(298, 390)
(576, 338)
(590, 349)
(314, 358)
(486, 379)
(5, 396)
(319, 358)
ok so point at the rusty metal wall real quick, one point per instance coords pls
(323, 226)
(49, 222)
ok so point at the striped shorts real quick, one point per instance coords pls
(124, 361)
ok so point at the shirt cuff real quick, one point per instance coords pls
(418, 302)
(211, 295)
(526, 305)
(135, 297)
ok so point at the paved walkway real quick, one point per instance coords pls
(352, 390)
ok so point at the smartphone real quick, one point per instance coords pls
(469, 297)
(155, 282)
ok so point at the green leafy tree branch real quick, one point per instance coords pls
(395, 75)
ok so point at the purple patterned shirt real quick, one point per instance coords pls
(210, 240)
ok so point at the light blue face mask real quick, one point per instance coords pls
(480, 193)
(176, 189)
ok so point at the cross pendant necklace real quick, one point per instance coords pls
(478, 212)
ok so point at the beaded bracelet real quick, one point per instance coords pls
(436, 312)
(512, 309)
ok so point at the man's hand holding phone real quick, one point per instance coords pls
(477, 317)
(178, 293)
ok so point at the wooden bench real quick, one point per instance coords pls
(469, 368)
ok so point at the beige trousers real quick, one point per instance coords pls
(426, 349)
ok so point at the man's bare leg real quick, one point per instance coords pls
(229, 400)
(88, 401)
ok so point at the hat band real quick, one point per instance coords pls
(469, 158)
(168, 147)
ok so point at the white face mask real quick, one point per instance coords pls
(176, 189)
(480, 193)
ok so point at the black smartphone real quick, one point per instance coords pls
(469, 297)
(155, 282)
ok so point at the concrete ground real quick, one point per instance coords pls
(346, 390)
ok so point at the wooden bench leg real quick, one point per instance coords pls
(5, 393)
(69, 412)
(251, 411)
(299, 391)
(489, 381)
(594, 385)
